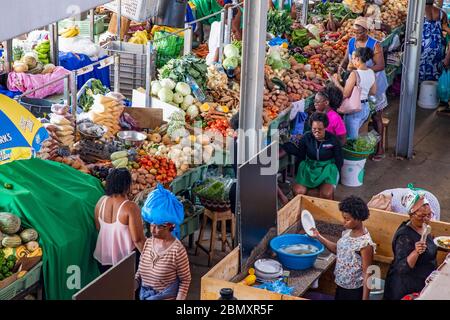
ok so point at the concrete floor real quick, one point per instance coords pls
(430, 169)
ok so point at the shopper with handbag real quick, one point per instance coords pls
(359, 85)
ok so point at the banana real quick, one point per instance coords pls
(70, 32)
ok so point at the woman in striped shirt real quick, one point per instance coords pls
(163, 272)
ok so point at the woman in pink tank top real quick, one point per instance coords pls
(118, 221)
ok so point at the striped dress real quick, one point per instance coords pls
(160, 271)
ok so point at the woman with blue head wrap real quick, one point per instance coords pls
(163, 272)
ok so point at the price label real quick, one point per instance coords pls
(106, 62)
(85, 70)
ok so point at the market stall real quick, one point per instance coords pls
(227, 274)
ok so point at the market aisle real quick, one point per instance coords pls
(430, 169)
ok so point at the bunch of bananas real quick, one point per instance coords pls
(70, 32)
(43, 51)
(139, 37)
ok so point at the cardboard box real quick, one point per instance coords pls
(147, 118)
(138, 100)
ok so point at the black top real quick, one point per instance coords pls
(325, 150)
(401, 279)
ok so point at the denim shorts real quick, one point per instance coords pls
(355, 120)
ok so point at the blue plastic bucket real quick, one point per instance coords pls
(293, 261)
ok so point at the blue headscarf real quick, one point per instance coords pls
(162, 207)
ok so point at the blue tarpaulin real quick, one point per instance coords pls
(72, 61)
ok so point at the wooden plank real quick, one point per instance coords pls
(210, 290)
(289, 215)
(227, 268)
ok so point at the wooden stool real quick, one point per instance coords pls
(215, 217)
(384, 133)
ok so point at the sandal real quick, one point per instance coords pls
(378, 157)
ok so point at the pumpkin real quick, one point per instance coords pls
(28, 235)
(9, 223)
(11, 241)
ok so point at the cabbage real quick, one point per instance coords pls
(167, 83)
(165, 95)
(156, 86)
(188, 100)
(230, 51)
(231, 63)
(183, 88)
(192, 111)
(314, 30)
(178, 98)
(184, 106)
(314, 43)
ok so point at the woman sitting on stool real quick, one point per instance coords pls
(320, 153)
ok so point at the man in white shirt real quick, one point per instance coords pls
(214, 35)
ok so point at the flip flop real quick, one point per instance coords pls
(378, 157)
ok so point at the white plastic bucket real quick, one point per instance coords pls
(428, 98)
(353, 173)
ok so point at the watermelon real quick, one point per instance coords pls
(28, 235)
(9, 223)
(11, 241)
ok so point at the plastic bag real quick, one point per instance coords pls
(365, 142)
(444, 86)
(215, 188)
(167, 47)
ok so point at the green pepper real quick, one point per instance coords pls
(10, 265)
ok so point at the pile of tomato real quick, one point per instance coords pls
(221, 126)
(162, 168)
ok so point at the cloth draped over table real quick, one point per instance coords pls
(59, 202)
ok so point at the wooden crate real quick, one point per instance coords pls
(382, 226)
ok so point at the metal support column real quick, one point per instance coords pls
(252, 87)
(53, 37)
(228, 30)
(188, 35)
(8, 54)
(119, 22)
(116, 72)
(222, 34)
(92, 24)
(305, 8)
(73, 92)
(410, 72)
(148, 74)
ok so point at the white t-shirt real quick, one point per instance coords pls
(367, 79)
(214, 41)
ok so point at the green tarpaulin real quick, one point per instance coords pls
(59, 202)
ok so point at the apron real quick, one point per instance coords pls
(313, 173)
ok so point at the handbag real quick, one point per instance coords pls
(353, 103)
(381, 201)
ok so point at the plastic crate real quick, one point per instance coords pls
(38, 107)
(27, 281)
(136, 10)
(85, 25)
(191, 223)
